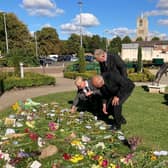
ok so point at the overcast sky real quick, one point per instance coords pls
(107, 18)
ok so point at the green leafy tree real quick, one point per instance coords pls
(48, 41)
(126, 40)
(82, 62)
(73, 43)
(139, 64)
(115, 45)
(18, 34)
(155, 39)
(139, 39)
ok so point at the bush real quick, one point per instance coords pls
(141, 77)
(86, 75)
(30, 79)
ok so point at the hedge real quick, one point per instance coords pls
(30, 79)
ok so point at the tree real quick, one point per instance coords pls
(115, 45)
(48, 41)
(73, 43)
(126, 40)
(18, 34)
(139, 39)
(155, 39)
(81, 60)
(139, 64)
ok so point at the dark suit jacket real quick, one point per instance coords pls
(81, 95)
(115, 85)
(113, 63)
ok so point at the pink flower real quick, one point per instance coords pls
(53, 126)
(104, 163)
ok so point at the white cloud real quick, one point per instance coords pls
(163, 22)
(87, 20)
(41, 7)
(162, 4)
(162, 36)
(46, 25)
(156, 13)
(121, 31)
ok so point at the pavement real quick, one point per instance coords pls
(62, 85)
(12, 96)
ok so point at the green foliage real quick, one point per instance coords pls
(30, 79)
(115, 46)
(155, 39)
(139, 39)
(139, 64)
(73, 75)
(48, 41)
(82, 62)
(126, 40)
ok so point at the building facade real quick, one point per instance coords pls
(142, 27)
(150, 50)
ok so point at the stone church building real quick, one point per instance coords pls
(150, 49)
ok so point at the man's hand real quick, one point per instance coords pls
(73, 109)
(115, 101)
(104, 109)
(89, 93)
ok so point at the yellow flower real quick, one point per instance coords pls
(75, 143)
(153, 157)
(90, 153)
(16, 106)
(76, 158)
(30, 124)
(95, 166)
(112, 165)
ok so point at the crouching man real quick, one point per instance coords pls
(115, 90)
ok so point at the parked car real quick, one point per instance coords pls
(89, 58)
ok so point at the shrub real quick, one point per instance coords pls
(73, 75)
(30, 79)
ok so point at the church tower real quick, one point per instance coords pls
(142, 27)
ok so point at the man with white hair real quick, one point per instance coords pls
(85, 97)
(110, 63)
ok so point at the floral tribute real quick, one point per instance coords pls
(49, 136)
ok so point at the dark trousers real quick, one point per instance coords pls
(116, 111)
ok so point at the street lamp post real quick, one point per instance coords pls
(6, 34)
(80, 5)
(36, 47)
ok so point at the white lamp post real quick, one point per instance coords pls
(21, 70)
(80, 5)
(6, 34)
(36, 47)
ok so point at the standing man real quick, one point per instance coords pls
(87, 96)
(109, 63)
(115, 90)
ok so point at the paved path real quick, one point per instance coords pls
(62, 84)
(10, 97)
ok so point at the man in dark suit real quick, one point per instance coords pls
(115, 90)
(110, 63)
(87, 96)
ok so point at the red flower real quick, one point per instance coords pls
(33, 136)
(66, 156)
(96, 157)
(49, 136)
(104, 163)
(27, 130)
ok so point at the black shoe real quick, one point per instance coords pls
(115, 127)
(123, 121)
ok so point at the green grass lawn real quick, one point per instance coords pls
(146, 116)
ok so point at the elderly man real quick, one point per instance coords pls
(115, 89)
(85, 97)
(110, 63)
